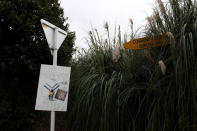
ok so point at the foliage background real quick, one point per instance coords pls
(23, 48)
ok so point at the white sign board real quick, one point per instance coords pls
(53, 87)
(49, 31)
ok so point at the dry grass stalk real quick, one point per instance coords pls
(172, 2)
(106, 26)
(116, 54)
(161, 6)
(172, 39)
(90, 33)
(131, 21)
(150, 21)
(119, 36)
(157, 16)
(149, 56)
(106, 45)
(162, 66)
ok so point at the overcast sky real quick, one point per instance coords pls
(82, 14)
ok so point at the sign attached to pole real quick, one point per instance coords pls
(49, 31)
(53, 87)
(147, 42)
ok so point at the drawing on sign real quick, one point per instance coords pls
(61, 94)
(51, 90)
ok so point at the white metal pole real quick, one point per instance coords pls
(52, 121)
(52, 128)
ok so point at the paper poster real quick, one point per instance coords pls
(53, 88)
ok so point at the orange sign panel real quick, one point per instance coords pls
(147, 42)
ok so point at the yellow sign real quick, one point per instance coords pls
(147, 42)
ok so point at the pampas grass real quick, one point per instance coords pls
(115, 89)
(162, 66)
